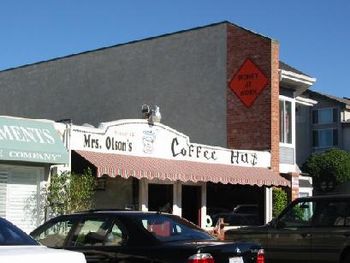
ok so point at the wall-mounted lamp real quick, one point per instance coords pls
(101, 183)
(151, 113)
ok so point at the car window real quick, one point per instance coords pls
(11, 235)
(55, 234)
(332, 214)
(299, 215)
(90, 232)
(116, 236)
(171, 228)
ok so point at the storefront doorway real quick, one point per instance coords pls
(191, 203)
(223, 199)
(160, 197)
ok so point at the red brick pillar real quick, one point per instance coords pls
(252, 103)
(294, 185)
(275, 122)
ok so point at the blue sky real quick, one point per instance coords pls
(314, 35)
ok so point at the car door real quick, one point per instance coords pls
(104, 238)
(90, 236)
(55, 233)
(289, 240)
(331, 230)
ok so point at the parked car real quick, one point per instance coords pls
(310, 229)
(236, 219)
(134, 236)
(16, 246)
(251, 209)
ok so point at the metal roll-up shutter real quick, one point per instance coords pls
(22, 198)
(3, 193)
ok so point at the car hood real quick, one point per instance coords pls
(38, 254)
(245, 229)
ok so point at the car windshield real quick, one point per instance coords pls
(10, 235)
(169, 228)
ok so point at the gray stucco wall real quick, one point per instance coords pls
(183, 73)
(346, 137)
(303, 133)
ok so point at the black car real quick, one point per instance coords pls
(310, 229)
(134, 236)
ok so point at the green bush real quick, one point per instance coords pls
(279, 201)
(69, 192)
(328, 168)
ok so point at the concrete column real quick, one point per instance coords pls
(295, 185)
(177, 193)
(143, 195)
(268, 204)
(203, 204)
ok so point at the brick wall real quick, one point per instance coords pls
(255, 127)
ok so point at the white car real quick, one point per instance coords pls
(18, 247)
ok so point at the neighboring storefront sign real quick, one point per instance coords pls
(137, 137)
(30, 140)
(248, 83)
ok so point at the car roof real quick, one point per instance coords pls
(116, 212)
(324, 197)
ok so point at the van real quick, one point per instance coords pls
(309, 229)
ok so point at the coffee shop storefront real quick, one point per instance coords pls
(154, 167)
(28, 149)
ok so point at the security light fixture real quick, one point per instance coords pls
(151, 113)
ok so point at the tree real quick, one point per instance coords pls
(328, 168)
(69, 192)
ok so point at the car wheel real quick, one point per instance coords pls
(346, 259)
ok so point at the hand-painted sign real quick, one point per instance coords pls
(248, 83)
(30, 141)
(136, 137)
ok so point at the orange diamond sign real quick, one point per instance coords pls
(248, 83)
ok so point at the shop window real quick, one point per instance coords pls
(325, 138)
(160, 197)
(286, 121)
(325, 116)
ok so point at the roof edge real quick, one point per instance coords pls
(120, 44)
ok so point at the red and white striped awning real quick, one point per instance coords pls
(175, 170)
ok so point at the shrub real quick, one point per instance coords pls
(69, 192)
(279, 201)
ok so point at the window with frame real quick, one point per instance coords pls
(324, 138)
(325, 116)
(286, 121)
